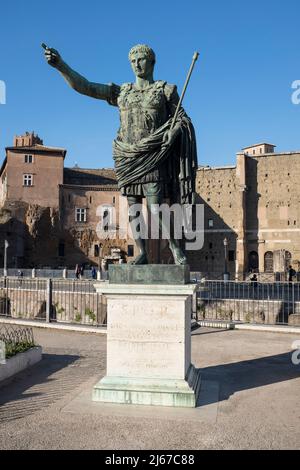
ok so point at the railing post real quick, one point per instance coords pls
(48, 300)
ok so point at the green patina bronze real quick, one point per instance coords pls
(154, 157)
(157, 274)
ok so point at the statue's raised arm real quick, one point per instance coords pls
(79, 83)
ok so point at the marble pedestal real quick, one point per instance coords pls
(148, 346)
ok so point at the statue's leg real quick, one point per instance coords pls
(136, 229)
(154, 197)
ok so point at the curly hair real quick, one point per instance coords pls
(149, 53)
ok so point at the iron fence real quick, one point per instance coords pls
(64, 301)
(250, 302)
(77, 302)
(242, 276)
(50, 273)
(15, 339)
(196, 276)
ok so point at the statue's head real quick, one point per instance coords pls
(142, 59)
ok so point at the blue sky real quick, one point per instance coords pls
(240, 92)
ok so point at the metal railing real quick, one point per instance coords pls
(50, 273)
(77, 302)
(250, 302)
(241, 276)
(196, 276)
(63, 301)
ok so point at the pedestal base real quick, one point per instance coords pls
(148, 340)
(159, 392)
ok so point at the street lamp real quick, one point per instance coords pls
(226, 274)
(100, 256)
(6, 245)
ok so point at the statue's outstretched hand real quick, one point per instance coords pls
(52, 56)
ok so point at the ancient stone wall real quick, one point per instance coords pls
(217, 189)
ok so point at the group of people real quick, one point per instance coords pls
(291, 274)
(79, 271)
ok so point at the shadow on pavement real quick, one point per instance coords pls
(206, 331)
(39, 386)
(250, 374)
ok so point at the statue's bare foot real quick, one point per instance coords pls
(141, 259)
(178, 255)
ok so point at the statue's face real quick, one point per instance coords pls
(141, 65)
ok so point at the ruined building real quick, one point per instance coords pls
(254, 205)
(55, 216)
(49, 213)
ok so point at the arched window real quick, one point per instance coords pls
(107, 217)
(269, 262)
(253, 261)
(288, 259)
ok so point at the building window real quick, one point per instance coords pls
(69, 197)
(210, 223)
(28, 159)
(210, 246)
(96, 251)
(114, 200)
(231, 254)
(253, 262)
(90, 199)
(107, 218)
(268, 262)
(61, 249)
(27, 180)
(130, 250)
(80, 215)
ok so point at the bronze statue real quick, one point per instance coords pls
(154, 157)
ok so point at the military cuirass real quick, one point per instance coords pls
(142, 111)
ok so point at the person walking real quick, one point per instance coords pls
(94, 273)
(77, 271)
(291, 273)
(81, 271)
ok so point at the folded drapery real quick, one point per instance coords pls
(134, 161)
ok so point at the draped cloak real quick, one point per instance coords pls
(134, 161)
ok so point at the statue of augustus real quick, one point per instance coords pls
(154, 159)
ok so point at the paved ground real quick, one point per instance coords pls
(249, 398)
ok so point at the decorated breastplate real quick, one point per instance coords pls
(142, 111)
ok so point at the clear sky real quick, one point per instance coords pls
(240, 92)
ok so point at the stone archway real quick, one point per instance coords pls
(269, 262)
(253, 261)
(288, 259)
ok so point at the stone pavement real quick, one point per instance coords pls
(249, 398)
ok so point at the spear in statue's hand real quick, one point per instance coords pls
(195, 57)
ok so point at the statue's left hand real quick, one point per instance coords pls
(170, 136)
